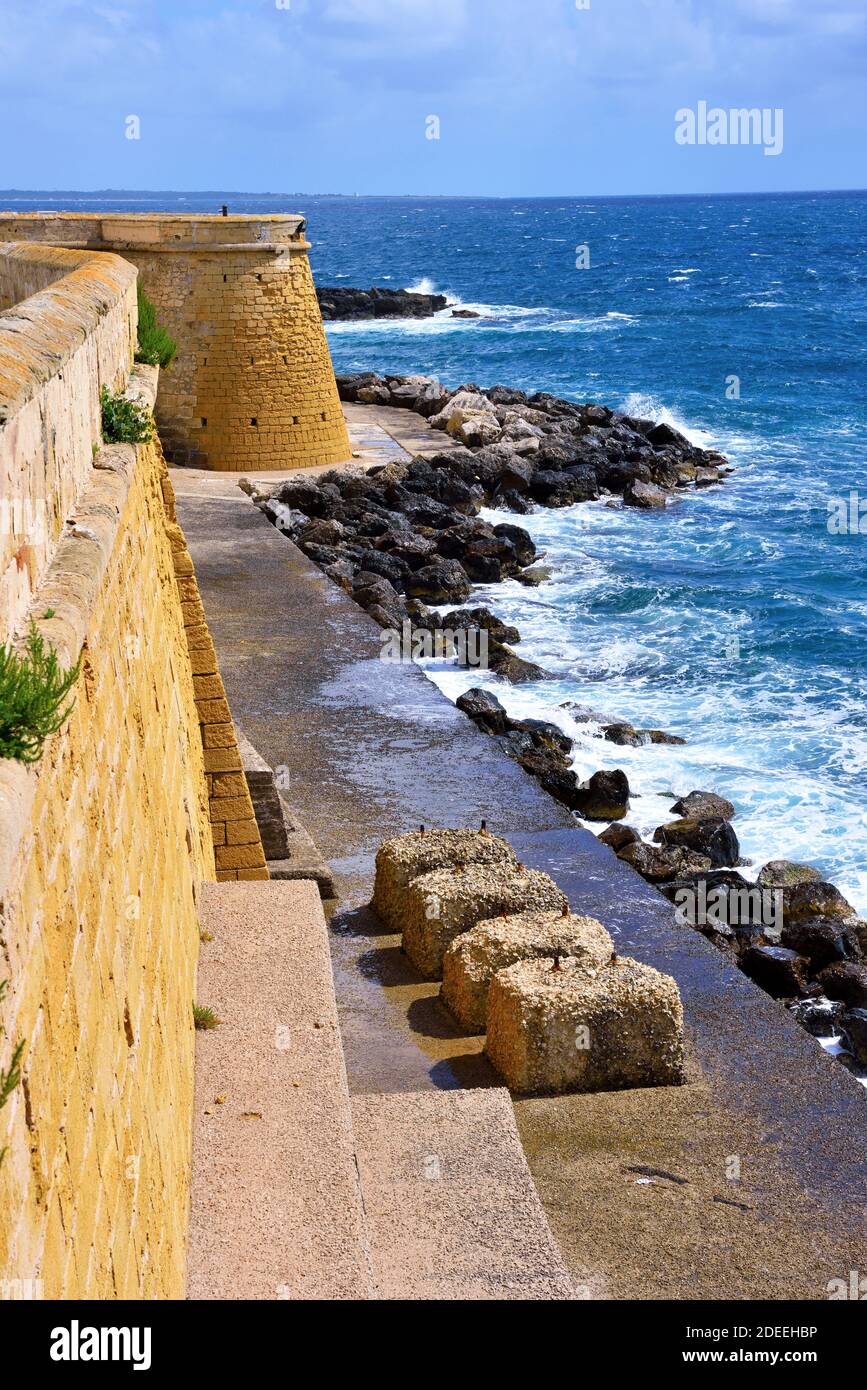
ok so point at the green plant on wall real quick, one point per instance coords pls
(123, 421)
(9, 1076)
(33, 691)
(156, 346)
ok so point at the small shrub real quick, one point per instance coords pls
(32, 693)
(123, 421)
(156, 346)
(205, 1018)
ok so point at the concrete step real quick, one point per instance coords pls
(276, 1206)
(450, 1208)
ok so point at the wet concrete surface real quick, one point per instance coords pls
(373, 749)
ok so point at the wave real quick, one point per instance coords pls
(647, 407)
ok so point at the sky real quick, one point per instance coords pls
(464, 97)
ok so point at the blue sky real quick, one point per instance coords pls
(533, 97)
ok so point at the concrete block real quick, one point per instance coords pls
(472, 961)
(574, 1028)
(406, 857)
(439, 906)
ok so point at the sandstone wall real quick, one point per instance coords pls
(103, 843)
(252, 386)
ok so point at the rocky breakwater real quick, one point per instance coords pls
(796, 936)
(380, 302)
(404, 536)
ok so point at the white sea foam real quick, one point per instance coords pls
(647, 407)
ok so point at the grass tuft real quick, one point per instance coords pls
(205, 1018)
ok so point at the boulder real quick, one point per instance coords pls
(522, 542)
(647, 496)
(472, 961)
(604, 796)
(484, 709)
(405, 857)
(445, 581)
(618, 836)
(563, 1026)
(854, 1026)
(659, 864)
(821, 939)
(815, 899)
(441, 905)
(505, 663)
(777, 970)
(784, 873)
(846, 981)
(821, 1017)
(711, 836)
(344, 302)
(701, 805)
(483, 619)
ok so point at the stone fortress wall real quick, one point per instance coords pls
(252, 386)
(139, 798)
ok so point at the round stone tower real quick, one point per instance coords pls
(252, 386)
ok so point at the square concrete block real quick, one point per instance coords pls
(400, 860)
(441, 905)
(474, 958)
(584, 1029)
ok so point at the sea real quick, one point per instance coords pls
(736, 618)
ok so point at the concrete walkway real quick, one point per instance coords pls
(375, 749)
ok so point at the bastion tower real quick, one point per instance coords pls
(252, 386)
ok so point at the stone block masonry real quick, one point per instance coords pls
(105, 842)
(252, 386)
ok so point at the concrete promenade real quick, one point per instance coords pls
(640, 1187)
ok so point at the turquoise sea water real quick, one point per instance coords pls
(735, 619)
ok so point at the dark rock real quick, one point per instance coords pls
(465, 314)
(534, 576)
(563, 786)
(662, 435)
(657, 864)
(525, 550)
(846, 981)
(784, 873)
(660, 736)
(484, 709)
(623, 734)
(618, 836)
(710, 835)
(517, 475)
(323, 532)
(514, 502)
(481, 618)
(563, 488)
(815, 899)
(604, 796)
(303, 495)
(545, 734)
(821, 1017)
(700, 805)
(645, 495)
(373, 588)
(776, 969)
(855, 1032)
(821, 939)
(391, 567)
(411, 550)
(445, 581)
(456, 540)
(503, 661)
(343, 302)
